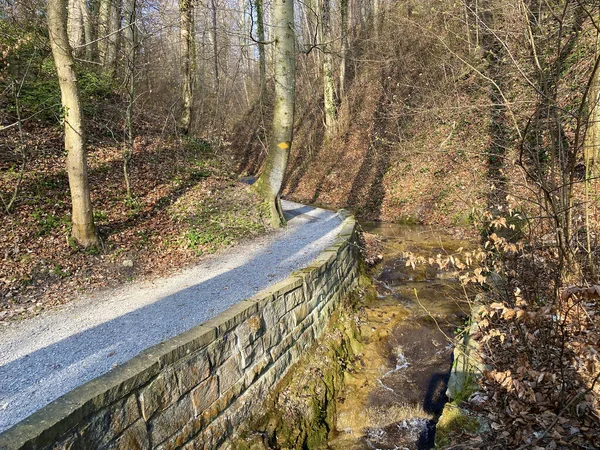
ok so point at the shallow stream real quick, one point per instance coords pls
(395, 394)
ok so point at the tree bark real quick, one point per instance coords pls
(110, 65)
(84, 230)
(215, 44)
(328, 82)
(262, 62)
(75, 27)
(592, 144)
(87, 29)
(344, 46)
(109, 20)
(186, 12)
(271, 180)
(129, 38)
(103, 29)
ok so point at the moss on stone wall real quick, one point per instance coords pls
(301, 412)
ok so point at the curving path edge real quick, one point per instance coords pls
(47, 356)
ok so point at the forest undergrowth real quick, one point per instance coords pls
(186, 203)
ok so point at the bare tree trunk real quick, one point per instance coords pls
(186, 11)
(375, 17)
(109, 20)
(110, 65)
(75, 26)
(271, 180)
(262, 62)
(84, 230)
(129, 38)
(103, 29)
(87, 29)
(344, 46)
(592, 144)
(328, 83)
(215, 44)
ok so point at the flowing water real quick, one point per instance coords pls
(393, 397)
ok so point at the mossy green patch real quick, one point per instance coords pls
(453, 421)
(300, 412)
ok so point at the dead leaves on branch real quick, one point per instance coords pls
(543, 387)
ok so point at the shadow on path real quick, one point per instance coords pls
(34, 380)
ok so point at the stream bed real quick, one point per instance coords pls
(393, 397)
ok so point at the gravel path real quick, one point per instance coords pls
(45, 357)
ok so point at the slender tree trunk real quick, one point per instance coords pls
(129, 38)
(87, 29)
(328, 83)
(75, 26)
(262, 62)
(271, 180)
(186, 10)
(103, 29)
(84, 230)
(344, 46)
(215, 44)
(375, 17)
(110, 65)
(109, 21)
(592, 144)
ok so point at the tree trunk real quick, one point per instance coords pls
(110, 65)
(103, 29)
(129, 38)
(375, 17)
(87, 29)
(262, 62)
(215, 44)
(344, 46)
(328, 83)
(271, 180)
(109, 21)
(186, 11)
(592, 144)
(75, 26)
(84, 230)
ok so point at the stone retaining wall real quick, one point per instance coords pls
(195, 389)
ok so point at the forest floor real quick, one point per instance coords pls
(186, 203)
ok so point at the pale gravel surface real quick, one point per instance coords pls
(45, 357)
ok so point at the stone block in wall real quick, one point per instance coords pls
(166, 423)
(300, 312)
(250, 330)
(108, 423)
(229, 373)
(294, 298)
(133, 438)
(220, 350)
(251, 352)
(184, 435)
(66, 443)
(272, 337)
(159, 394)
(281, 347)
(205, 394)
(178, 347)
(288, 322)
(223, 401)
(211, 437)
(302, 341)
(232, 317)
(254, 371)
(308, 276)
(192, 370)
(273, 310)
